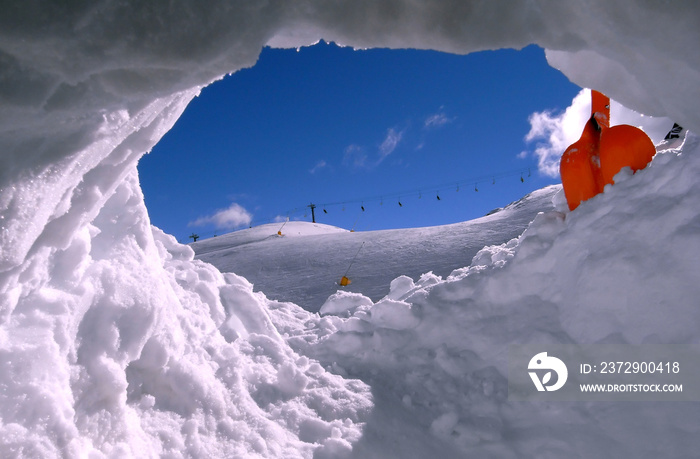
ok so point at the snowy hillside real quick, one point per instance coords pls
(116, 342)
(434, 351)
(306, 270)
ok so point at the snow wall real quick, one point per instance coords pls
(113, 341)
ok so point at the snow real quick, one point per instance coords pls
(288, 229)
(435, 352)
(116, 342)
(305, 266)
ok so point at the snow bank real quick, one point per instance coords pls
(131, 348)
(112, 340)
(620, 269)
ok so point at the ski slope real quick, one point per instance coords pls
(305, 265)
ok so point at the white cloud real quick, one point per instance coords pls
(232, 217)
(392, 140)
(280, 219)
(554, 132)
(355, 156)
(437, 120)
(319, 165)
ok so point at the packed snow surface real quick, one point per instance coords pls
(305, 264)
(116, 342)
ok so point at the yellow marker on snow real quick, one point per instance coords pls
(279, 233)
(344, 281)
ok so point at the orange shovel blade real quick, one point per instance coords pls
(600, 108)
(578, 174)
(580, 163)
(623, 146)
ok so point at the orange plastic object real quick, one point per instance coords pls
(591, 163)
(344, 281)
(580, 167)
(580, 163)
(623, 146)
(600, 108)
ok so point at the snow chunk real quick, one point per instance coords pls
(444, 425)
(393, 314)
(399, 287)
(343, 302)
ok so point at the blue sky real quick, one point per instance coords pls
(347, 130)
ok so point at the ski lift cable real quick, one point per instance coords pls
(399, 196)
(490, 178)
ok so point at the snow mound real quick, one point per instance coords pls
(620, 269)
(344, 303)
(163, 356)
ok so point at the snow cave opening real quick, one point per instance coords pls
(230, 172)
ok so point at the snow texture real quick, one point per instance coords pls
(116, 342)
(617, 270)
(306, 264)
